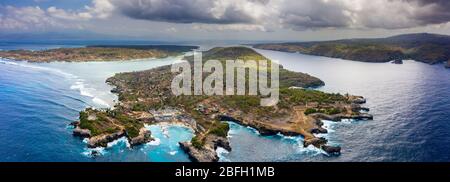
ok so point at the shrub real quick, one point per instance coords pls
(333, 111)
(220, 129)
(197, 142)
(139, 107)
(310, 111)
(132, 131)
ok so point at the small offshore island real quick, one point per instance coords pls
(145, 98)
(98, 53)
(422, 47)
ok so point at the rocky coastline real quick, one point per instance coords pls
(102, 139)
(145, 98)
(422, 47)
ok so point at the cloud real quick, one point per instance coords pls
(312, 14)
(100, 9)
(35, 18)
(194, 11)
(432, 11)
(293, 14)
(26, 18)
(230, 27)
(243, 15)
(63, 14)
(383, 14)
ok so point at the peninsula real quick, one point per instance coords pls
(146, 98)
(97, 53)
(422, 47)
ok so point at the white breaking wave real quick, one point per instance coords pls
(29, 65)
(173, 152)
(120, 140)
(220, 153)
(78, 85)
(89, 151)
(165, 131)
(155, 142)
(85, 90)
(81, 86)
(310, 150)
(100, 102)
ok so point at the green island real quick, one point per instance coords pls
(145, 98)
(98, 53)
(422, 47)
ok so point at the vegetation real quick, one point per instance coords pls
(306, 96)
(428, 48)
(197, 142)
(309, 111)
(110, 121)
(145, 90)
(97, 53)
(329, 111)
(219, 129)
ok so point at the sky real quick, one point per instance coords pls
(255, 20)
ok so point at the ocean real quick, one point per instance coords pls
(409, 102)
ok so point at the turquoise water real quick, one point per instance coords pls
(39, 100)
(249, 146)
(409, 102)
(164, 148)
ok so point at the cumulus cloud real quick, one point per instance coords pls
(36, 18)
(246, 15)
(25, 18)
(294, 14)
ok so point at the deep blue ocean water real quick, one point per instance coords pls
(409, 102)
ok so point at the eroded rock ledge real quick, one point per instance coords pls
(101, 128)
(207, 153)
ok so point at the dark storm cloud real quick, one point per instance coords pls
(188, 11)
(438, 11)
(292, 14)
(383, 14)
(312, 14)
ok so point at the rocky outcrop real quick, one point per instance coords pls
(331, 149)
(318, 130)
(78, 132)
(316, 142)
(358, 108)
(75, 123)
(397, 61)
(103, 140)
(339, 117)
(221, 142)
(357, 99)
(206, 153)
(143, 137)
(83, 133)
(263, 130)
